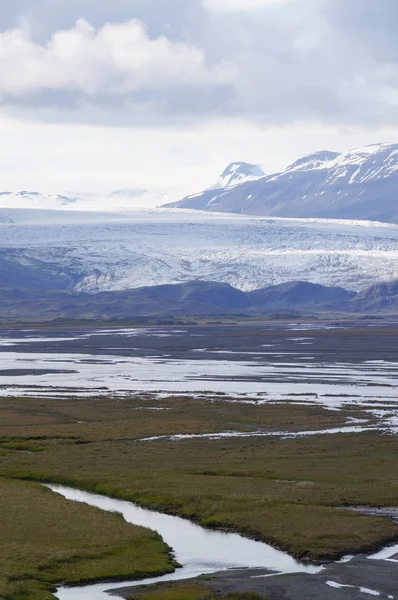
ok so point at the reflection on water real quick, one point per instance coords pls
(197, 549)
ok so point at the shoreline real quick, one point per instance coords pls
(369, 572)
(378, 577)
(331, 558)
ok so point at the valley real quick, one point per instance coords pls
(198, 300)
(272, 431)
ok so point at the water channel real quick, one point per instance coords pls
(197, 549)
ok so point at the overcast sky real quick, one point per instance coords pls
(109, 94)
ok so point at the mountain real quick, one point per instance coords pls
(382, 296)
(221, 295)
(360, 184)
(97, 252)
(30, 274)
(298, 295)
(237, 173)
(32, 199)
(123, 199)
(195, 299)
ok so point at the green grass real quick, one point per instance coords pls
(48, 420)
(285, 492)
(47, 540)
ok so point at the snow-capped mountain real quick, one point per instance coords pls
(237, 173)
(124, 199)
(360, 184)
(95, 252)
(29, 199)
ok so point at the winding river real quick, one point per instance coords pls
(198, 550)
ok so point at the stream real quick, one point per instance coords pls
(200, 551)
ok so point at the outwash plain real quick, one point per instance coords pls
(285, 433)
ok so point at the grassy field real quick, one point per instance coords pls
(98, 420)
(288, 492)
(46, 540)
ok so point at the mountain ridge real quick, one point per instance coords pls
(197, 299)
(358, 184)
(114, 200)
(237, 173)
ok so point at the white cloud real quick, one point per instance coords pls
(143, 91)
(293, 61)
(116, 59)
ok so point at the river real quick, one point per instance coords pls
(197, 549)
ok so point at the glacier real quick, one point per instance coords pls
(117, 251)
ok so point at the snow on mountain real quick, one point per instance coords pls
(234, 175)
(237, 173)
(377, 161)
(313, 161)
(29, 199)
(359, 184)
(124, 199)
(116, 251)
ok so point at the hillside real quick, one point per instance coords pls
(360, 184)
(195, 299)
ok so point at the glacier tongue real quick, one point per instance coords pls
(117, 251)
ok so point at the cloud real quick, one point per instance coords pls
(176, 18)
(312, 61)
(274, 62)
(118, 59)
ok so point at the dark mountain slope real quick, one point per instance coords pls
(32, 274)
(361, 184)
(299, 294)
(197, 298)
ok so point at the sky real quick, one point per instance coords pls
(99, 95)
